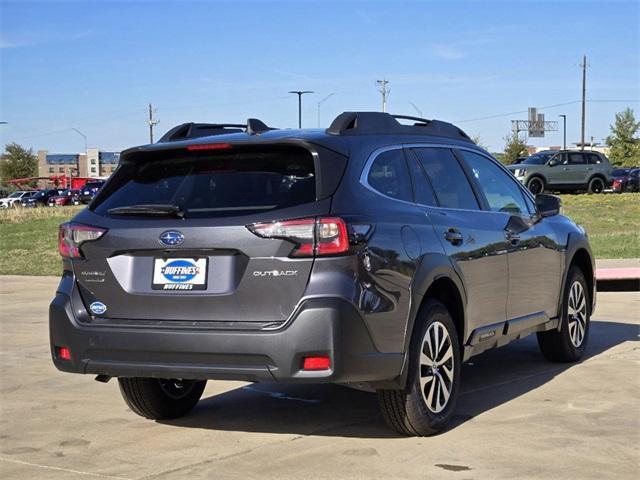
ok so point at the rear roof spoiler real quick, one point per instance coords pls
(187, 131)
(367, 123)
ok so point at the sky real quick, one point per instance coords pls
(95, 66)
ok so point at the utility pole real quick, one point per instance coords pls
(300, 93)
(320, 104)
(384, 90)
(152, 123)
(584, 99)
(564, 131)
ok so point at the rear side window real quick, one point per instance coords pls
(214, 185)
(576, 159)
(594, 159)
(449, 181)
(388, 175)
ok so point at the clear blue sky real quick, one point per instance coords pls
(95, 65)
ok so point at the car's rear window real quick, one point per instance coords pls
(214, 184)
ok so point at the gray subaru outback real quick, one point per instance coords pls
(381, 253)
(564, 171)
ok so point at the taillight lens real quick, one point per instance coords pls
(71, 236)
(313, 236)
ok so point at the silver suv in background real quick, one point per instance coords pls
(564, 170)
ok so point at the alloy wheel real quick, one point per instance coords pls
(577, 314)
(535, 186)
(436, 367)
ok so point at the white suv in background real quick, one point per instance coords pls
(14, 199)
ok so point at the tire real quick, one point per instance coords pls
(569, 343)
(159, 399)
(536, 185)
(417, 410)
(596, 185)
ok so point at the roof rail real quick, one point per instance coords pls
(366, 123)
(186, 131)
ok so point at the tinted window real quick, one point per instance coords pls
(593, 158)
(576, 159)
(449, 182)
(423, 192)
(213, 185)
(539, 158)
(388, 175)
(501, 192)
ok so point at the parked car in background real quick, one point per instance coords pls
(89, 190)
(15, 198)
(626, 180)
(374, 254)
(568, 170)
(67, 197)
(41, 198)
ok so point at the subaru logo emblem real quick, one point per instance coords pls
(171, 238)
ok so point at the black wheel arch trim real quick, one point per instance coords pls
(578, 249)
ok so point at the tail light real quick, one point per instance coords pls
(313, 236)
(71, 236)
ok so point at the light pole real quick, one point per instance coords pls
(564, 131)
(300, 93)
(320, 104)
(83, 136)
(416, 109)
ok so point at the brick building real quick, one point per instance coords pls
(94, 163)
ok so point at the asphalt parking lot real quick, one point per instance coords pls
(518, 417)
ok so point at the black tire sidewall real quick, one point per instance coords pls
(531, 181)
(593, 182)
(422, 420)
(575, 274)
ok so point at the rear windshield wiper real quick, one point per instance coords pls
(165, 210)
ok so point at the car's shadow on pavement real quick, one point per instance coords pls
(488, 381)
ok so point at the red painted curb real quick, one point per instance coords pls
(617, 273)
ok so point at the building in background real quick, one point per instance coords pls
(95, 163)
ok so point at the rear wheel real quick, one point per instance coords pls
(535, 185)
(159, 398)
(596, 185)
(426, 405)
(569, 343)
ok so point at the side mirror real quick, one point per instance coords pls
(553, 162)
(548, 205)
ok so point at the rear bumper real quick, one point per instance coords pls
(320, 326)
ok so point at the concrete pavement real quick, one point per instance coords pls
(518, 417)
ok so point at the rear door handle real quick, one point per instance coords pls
(453, 236)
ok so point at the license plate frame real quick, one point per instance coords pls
(180, 274)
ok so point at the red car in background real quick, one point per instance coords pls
(626, 180)
(68, 197)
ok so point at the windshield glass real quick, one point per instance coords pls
(539, 158)
(16, 194)
(214, 185)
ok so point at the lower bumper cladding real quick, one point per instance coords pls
(326, 341)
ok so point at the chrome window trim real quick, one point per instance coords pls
(401, 146)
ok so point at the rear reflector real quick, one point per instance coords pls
(209, 146)
(63, 353)
(313, 236)
(316, 363)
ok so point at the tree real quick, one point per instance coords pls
(478, 141)
(17, 162)
(514, 147)
(623, 144)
